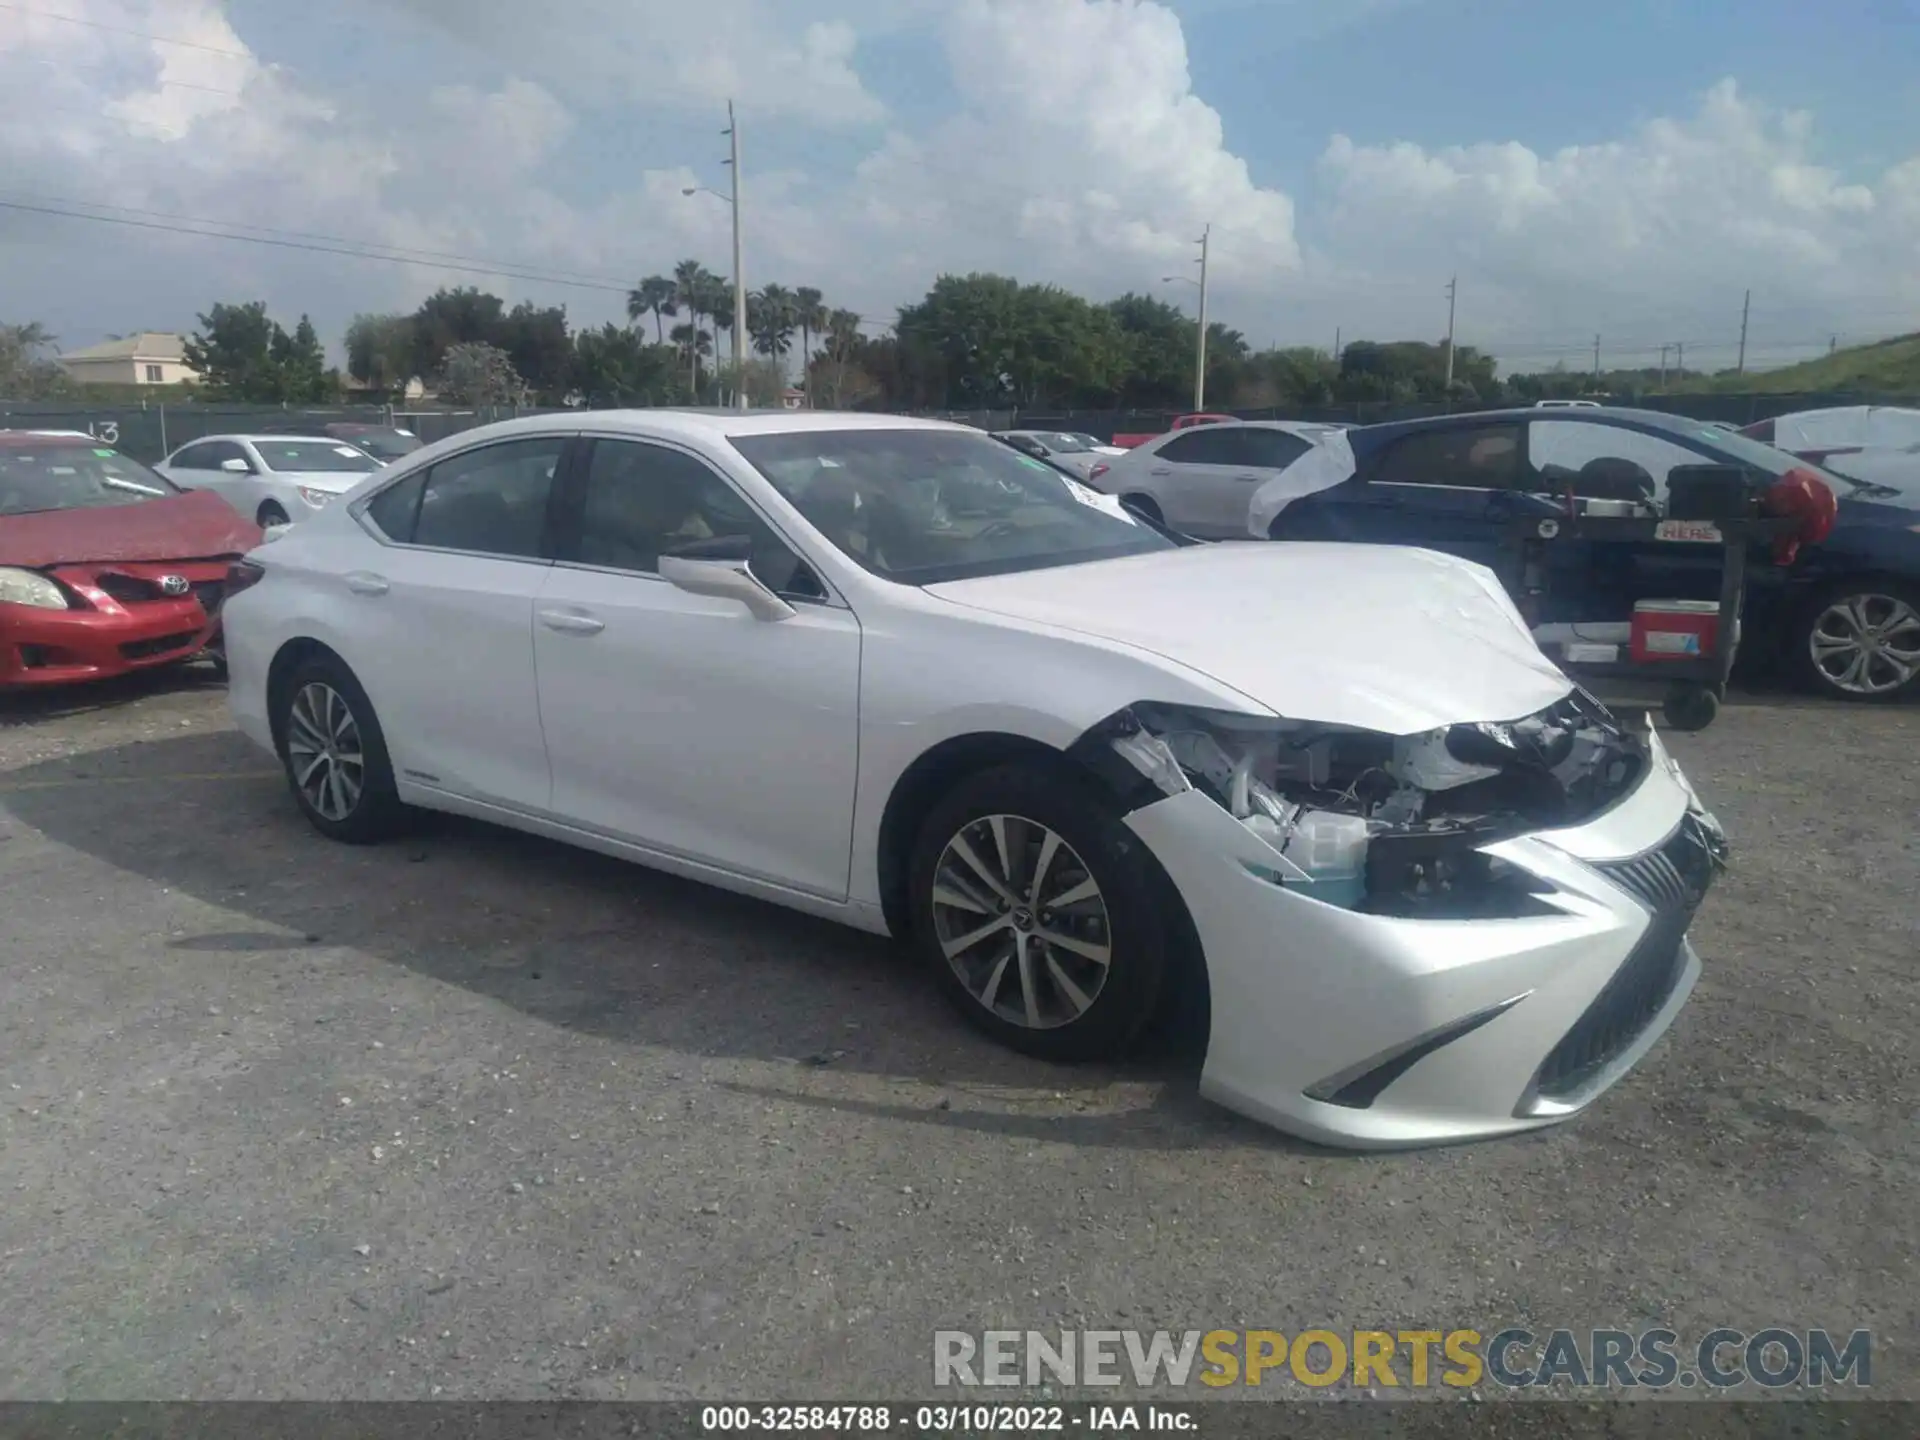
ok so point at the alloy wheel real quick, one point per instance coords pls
(1021, 920)
(1866, 644)
(324, 751)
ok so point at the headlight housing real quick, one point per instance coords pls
(1393, 825)
(29, 587)
(315, 497)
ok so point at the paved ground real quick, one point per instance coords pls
(480, 1116)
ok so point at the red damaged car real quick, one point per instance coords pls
(105, 567)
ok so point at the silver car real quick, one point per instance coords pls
(1201, 480)
(1069, 449)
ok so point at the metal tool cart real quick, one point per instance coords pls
(1712, 505)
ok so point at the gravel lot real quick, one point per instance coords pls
(476, 1115)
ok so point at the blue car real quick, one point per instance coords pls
(1844, 616)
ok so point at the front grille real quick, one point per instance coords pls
(128, 589)
(209, 593)
(159, 645)
(1670, 882)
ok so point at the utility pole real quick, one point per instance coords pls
(1200, 359)
(1596, 357)
(1663, 365)
(1833, 342)
(1336, 344)
(1453, 289)
(1680, 357)
(1740, 366)
(739, 272)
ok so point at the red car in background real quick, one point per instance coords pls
(105, 567)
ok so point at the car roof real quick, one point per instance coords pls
(269, 438)
(1515, 415)
(39, 438)
(714, 424)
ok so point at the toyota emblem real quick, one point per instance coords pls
(174, 585)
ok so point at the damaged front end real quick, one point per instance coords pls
(1391, 825)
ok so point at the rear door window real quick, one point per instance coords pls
(1204, 445)
(1462, 457)
(491, 501)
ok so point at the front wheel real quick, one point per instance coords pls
(271, 514)
(1035, 908)
(1860, 640)
(335, 755)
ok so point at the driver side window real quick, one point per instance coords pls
(1607, 462)
(642, 500)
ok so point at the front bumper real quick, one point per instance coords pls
(1373, 1032)
(43, 648)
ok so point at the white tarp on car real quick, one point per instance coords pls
(1867, 427)
(1325, 465)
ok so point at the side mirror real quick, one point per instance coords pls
(236, 467)
(723, 568)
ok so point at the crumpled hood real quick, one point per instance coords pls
(1374, 636)
(194, 526)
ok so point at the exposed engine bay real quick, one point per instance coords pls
(1384, 823)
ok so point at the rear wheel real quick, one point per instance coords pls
(1860, 640)
(1034, 907)
(335, 755)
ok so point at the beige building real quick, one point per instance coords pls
(148, 358)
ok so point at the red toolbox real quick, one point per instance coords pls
(1674, 630)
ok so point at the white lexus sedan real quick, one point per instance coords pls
(892, 672)
(270, 479)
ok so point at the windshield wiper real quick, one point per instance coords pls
(129, 485)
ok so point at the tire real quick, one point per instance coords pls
(1145, 505)
(1822, 660)
(302, 712)
(1061, 1005)
(1690, 707)
(271, 514)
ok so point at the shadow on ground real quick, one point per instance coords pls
(585, 942)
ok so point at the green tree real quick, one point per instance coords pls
(654, 296)
(474, 373)
(772, 316)
(836, 377)
(25, 372)
(463, 316)
(301, 363)
(242, 353)
(693, 292)
(615, 366)
(810, 313)
(380, 351)
(541, 347)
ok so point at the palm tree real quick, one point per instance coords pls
(656, 297)
(771, 320)
(810, 313)
(716, 303)
(692, 286)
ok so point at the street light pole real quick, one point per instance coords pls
(1200, 356)
(739, 273)
(1453, 294)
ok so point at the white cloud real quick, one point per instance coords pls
(1076, 151)
(664, 52)
(1655, 236)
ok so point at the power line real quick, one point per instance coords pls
(397, 252)
(497, 272)
(125, 30)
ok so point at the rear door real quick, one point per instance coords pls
(442, 619)
(1196, 476)
(1454, 488)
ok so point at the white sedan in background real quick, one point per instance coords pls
(271, 479)
(893, 673)
(1069, 449)
(1201, 480)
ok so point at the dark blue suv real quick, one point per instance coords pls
(1844, 616)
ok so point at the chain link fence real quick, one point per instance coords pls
(151, 432)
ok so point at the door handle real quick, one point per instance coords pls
(569, 622)
(365, 582)
(1160, 470)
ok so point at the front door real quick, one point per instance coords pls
(681, 722)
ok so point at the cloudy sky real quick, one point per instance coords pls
(1626, 169)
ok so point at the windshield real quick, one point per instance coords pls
(926, 506)
(310, 455)
(386, 444)
(1758, 455)
(1066, 443)
(73, 477)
